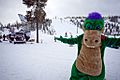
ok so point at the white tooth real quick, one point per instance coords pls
(90, 46)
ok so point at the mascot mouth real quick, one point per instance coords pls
(90, 46)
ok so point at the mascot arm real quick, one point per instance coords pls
(113, 41)
(69, 40)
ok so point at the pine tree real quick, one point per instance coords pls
(38, 14)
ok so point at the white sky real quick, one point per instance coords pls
(10, 8)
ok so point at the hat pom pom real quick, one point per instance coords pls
(94, 15)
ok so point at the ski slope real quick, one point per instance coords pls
(49, 60)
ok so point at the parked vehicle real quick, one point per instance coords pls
(11, 37)
(19, 38)
(0, 36)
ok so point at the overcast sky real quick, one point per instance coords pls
(9, 9)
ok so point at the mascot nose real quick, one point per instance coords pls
(96, 40)
(86, 40)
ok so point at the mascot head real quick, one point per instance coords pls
(93, 27)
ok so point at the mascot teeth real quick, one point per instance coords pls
(90, 46)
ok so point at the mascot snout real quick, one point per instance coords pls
(92, 38)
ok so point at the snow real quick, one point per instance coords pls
(49, 60)
(112, 63)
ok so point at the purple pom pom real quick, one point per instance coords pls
(94, 15)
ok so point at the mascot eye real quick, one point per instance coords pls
(98, 27)
(88, 26)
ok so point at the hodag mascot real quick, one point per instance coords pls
(89, 64)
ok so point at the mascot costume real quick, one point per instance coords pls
(89, 64)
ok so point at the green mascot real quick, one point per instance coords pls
(89, 64)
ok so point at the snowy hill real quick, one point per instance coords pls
(49, 60)
(62, 25)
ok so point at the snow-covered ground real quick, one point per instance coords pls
(49, 60)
